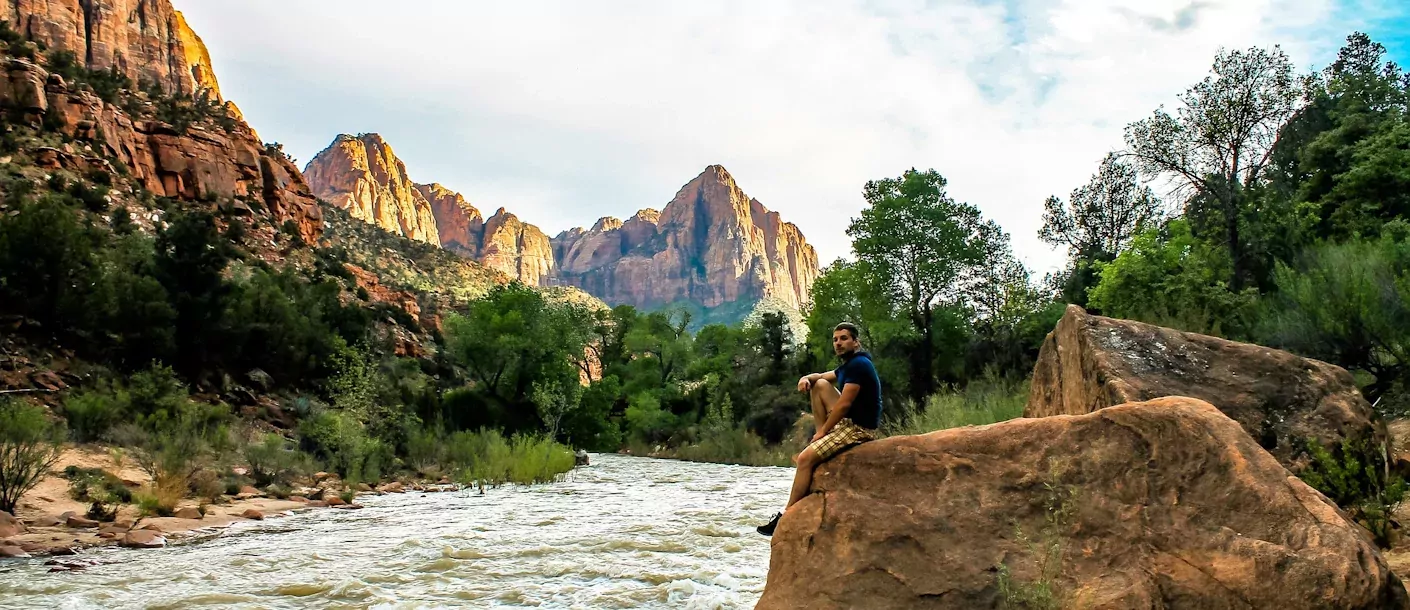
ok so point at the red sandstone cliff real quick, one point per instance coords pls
(460, 224)
(147, 40)
(361, 174)
(712, 245)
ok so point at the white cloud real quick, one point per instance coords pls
(566, 111)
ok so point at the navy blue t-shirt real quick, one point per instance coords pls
(858, 369)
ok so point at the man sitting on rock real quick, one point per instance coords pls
(844, 418)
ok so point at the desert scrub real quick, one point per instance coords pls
(29, 447)
(1356, 477)
(980, 403)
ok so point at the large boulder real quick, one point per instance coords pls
(1090, 362)
(1164, 504)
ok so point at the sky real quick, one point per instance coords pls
(563, 112)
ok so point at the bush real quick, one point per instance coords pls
(980, 403)
(342, 442)
(103, 491)
(1355, 476)
(173, 449)
(29, 446)
(92, 413)
(273, 461)
(486, 459)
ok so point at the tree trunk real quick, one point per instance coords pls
(922, 377)
(1236, 247)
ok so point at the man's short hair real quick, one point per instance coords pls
(850, 328)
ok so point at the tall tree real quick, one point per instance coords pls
(926, 250)
(1098, 220)
(1218, 144)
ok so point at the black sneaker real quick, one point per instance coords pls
(768, 530)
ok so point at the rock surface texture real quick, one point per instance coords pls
(1171, 505)
(147, 40)
(712, 244)
(1090, 362)
(361, 174)
(460, 224)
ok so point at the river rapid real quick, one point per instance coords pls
(625, 532)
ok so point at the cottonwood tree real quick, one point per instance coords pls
(1218, 144)
(925, 249)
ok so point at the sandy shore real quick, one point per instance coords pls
(51, 499)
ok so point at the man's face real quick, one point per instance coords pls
(843, 342)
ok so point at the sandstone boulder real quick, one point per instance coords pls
(143, 539)
(395, 487)
(1165, 504)
(13, 552)
(332, 500)
(189, 512)
(77, 521)
(1090, 362)
(46, 521)
(253, 514)
(9, 525)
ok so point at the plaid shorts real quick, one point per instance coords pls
(843, 435)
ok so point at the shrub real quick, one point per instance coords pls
(175, 448)
(92, 413)
(29, 447)
(342, 442)
(1355, 476)
(486, 459)
(981, 402)
(273, 461)
(101, 489)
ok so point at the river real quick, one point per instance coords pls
(625, 532)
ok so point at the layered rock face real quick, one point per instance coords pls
(712, 244)
(361, 174)
(461, 226)
(1164, 504)
(197, 164)
(1090, 362)
(147, 40)
(517, 248)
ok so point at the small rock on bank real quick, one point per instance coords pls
(144, 539)
(253, 514)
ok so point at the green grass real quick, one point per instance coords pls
(980, 403)
(487, 459)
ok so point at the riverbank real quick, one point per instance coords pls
(55, 522)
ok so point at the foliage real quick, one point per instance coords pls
(103, 490)
(29, 447)
(929, 249)
(1220, 141)
(982, 402)
(486, 459)
(1356, 477)
(1098, 221)
(1044, 592)
(1171, 278)
(1347, 303)
(337, 439)
(273, 460)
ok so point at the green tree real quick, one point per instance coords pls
(1098, 221)
(1219, 143)
(511, 339)
(928, 249)
(1169, 277)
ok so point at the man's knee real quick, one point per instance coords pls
(822, 385)
(808, 459)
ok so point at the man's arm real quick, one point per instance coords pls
(805, 383)
(839, 410)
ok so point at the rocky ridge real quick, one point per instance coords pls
(363, 175)
(146, 40)
(712, 244)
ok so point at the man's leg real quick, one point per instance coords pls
(822, 396)
(803, 478)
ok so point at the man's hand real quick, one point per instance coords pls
(805, 384)
(817, 436)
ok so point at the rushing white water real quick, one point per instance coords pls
(623, 533)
